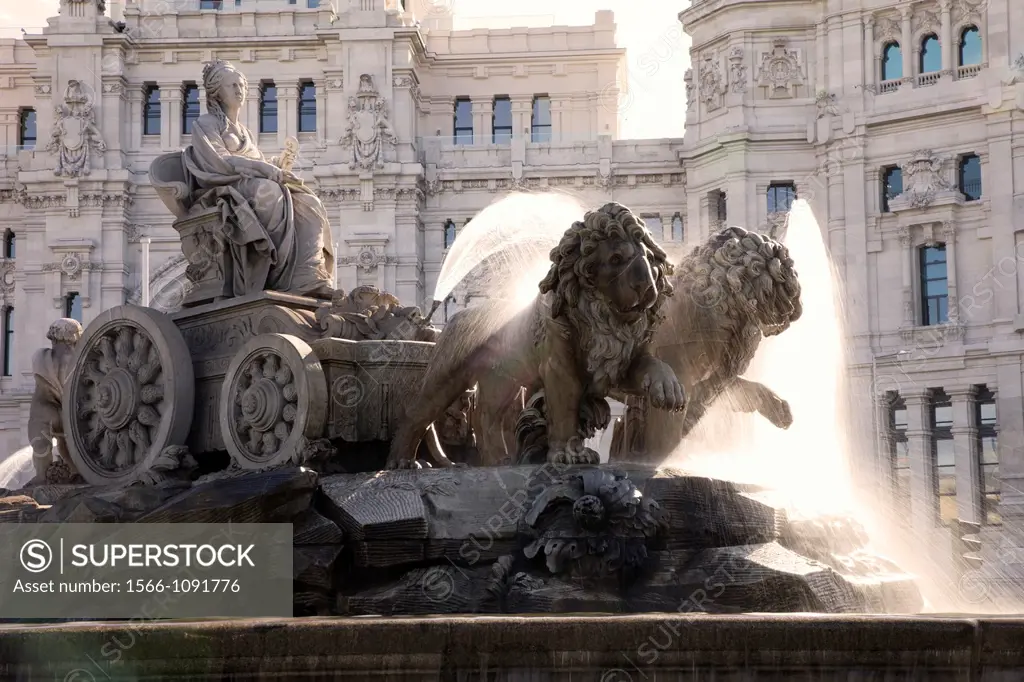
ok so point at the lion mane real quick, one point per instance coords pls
(745, 277)
(603, 338)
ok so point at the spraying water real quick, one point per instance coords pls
(17, 470)
(514, 236)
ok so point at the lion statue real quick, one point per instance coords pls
(732, 291)
(585, 335)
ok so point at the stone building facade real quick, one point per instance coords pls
(897, 121)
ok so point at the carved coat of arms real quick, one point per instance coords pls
(368, 130)
(75, 135)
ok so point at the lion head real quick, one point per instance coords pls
(747, 277)
(609, 279)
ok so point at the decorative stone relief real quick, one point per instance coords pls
(8, 269)
(75, 135)
(780, 70)
(827, 104)
(967, 9)
(368, 131)
(925, 20)
(1016, 71)
(923, 178)
(402, 81)
(888, 29)
(43, 90)
(690, 99)
(712, 85)
(737, 71)
(72, 265)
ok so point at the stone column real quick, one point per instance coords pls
(145, 241)
(949, 232)
(869, 51)
(906, 45)
(522, 115)
(922, 469)
(999, 190)
(202, 98)
(947, 38)
(483, 123)
(321, 109)
(287, 112)
(170, 115)
(135, 112)
(1010, 412)
(907, 258)
(965, 447)
(251, 114)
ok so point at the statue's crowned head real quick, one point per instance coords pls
(65, 330)
(225, 87)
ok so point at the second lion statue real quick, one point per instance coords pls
(586, 334)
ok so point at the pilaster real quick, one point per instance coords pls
(522, 115)
(252, 108)
(947, 38)
(965, 448)
(483, 111)
(869, 51)
(922, 468)
(907, 263)
(287, 112)
(906, 45)
(170, 115)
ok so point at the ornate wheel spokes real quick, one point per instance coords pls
(122, 404)
(266, 406)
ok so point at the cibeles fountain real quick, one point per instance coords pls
(409, 457)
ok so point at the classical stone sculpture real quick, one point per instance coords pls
(257, 222)
(368, 131)
(690, 89)
(731, 292)
(923, 178)
(367, 313)
(712, 85)
(737, 71)
(826, 104)
(51, 368)
(75, 135)
(583, 337)
(780, 71)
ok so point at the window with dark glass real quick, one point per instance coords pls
(27, 128)
(307, 107)
(931, 54)
(449, 307)
(892, 62)
(899, 453)
(677, 228)
(9, 242)
(934, 285)
(73, 306)
(268, 107)
(943, 456)
(653, 223)
(312, 4)
(463, 121)
(151, 111)
(781, 196)
(449, 233)
(8, 341)
(892, 185)
(969, 176)
(717, 205)
(189, 107)
(501, 121)
(540, 121)
(988, 455)
(211, 4)
(969, 47)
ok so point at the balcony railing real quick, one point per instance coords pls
(462, 141)
(889, 86)
(968, 71)
(930, 78)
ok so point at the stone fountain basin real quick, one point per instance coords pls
(458, 540)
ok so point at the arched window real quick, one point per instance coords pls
(931, 54)
(8, 341)
(677, 228)
(9, 242)
(969, 48)
(892, 185)
(892, 62)
(969, 176)
(449, 233)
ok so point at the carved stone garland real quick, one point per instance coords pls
(780, 70)
(132, 388)
(274, 402)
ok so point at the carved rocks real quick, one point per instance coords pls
(592, 522)
(75, 135)
(273, 403)
(368, 130)
(129, 397)
(780, 71)
(712, 84)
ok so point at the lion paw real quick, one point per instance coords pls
(403, 464)
(573, 455)
(663, 388)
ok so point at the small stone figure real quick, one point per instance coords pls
(75, 135)
(51, 367)
(369, 314)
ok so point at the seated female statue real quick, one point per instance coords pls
(274, 228)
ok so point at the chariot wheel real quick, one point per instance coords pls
(273, 401)
(130, 394)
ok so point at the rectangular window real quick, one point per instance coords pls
(307, 107)
(449, 233)
(969, 177)
(653, 223)
(501, 121)
(9, 242)
(988, 456)
(312, 4)
(73, 306)
(8, 341)
(268, 107)
(943, 456)
(677, 228)
(892, 185)
(781, 197)
(899, 455)
(463, 121)
(211, 4)
(717, 206)
(934, 285)
(540, 121)
(189, 107)
(151, 111)
(27, 129)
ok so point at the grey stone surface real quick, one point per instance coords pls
(51, 368)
